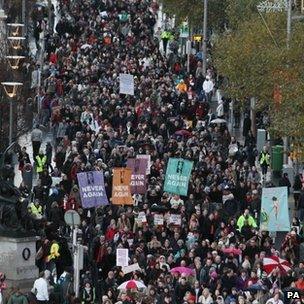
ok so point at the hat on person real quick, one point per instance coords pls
(207, 189)
(213, 275)
(191, 298)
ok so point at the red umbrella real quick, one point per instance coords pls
(132, 284)
(273, 262)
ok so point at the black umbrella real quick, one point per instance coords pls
(159, 208)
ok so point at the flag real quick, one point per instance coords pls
(92, 189)
(121, 190)
(177, 176)
(138, 177)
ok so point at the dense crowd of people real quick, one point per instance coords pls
(215, 254)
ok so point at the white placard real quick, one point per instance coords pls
(141, 218)
(126, 84)
(158, 220)
(130, 242)
(148, 158)
(122, 257)
(176, 219)
(130, 268)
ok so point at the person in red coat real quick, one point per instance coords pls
(111, 230)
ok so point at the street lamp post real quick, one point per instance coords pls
(10, 89)
(14, 61)
(205, 37)
(16, 42)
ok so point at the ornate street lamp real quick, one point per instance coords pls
(11, 89)
(14, 61)
(15, 42)
(15, 28)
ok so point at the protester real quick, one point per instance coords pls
(264, 160)
(199, 246)
(36, 137)
(17, 297)
(40, 289)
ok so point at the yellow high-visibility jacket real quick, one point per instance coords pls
(40, 162)
(54, 252)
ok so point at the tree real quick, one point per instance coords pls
(238, 11)
(255, 59)
(192, 10)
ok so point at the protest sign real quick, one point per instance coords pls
(177, 176)
(141, 218)
(184, 30)
(148, 158)
(158, 220)
(131, 268)
(126, 84)
(122, 257)
(138, 177)
(91, 188)
(121, 191)
(274, 211)
(130, 242)
(175, 219)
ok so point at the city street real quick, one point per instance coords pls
(161, 160)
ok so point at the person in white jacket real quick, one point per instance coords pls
(40, 289)
(208, 86)
(205, 298)
(275, 299)
(220, 109)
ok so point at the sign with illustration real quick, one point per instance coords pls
(274, 211)
(177, 176)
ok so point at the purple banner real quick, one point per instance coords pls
(138, 177)
(92, 189)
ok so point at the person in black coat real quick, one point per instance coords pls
(246, 125)
(59, 158)
(46, 180)
(55, 214)
(301, 206)
(23, 158)
(49, 153)
(180, 290)
(88, 294)
(229, 280)
(284, 182)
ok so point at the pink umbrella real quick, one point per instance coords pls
(273, 262)
(183, 270)
(234, 251)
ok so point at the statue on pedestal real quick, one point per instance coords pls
(13, 212)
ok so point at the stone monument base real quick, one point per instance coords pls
(17, 260)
